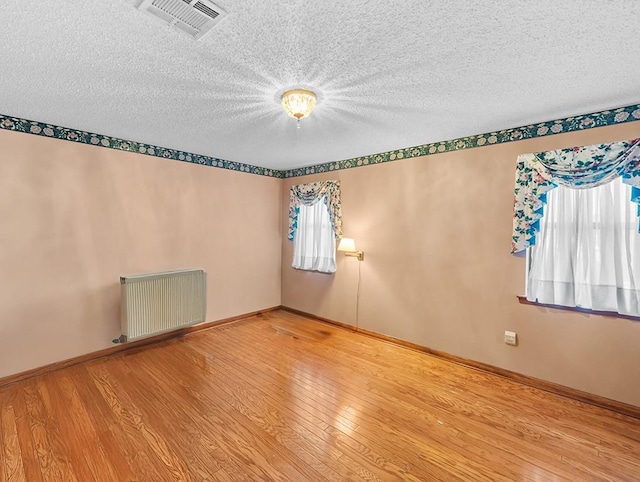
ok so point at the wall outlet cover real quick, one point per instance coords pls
(510, 338)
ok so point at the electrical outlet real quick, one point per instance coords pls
(510, 338)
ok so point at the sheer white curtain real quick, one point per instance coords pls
(314, 242)
(588, 251)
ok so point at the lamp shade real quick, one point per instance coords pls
(298, 103)
(348, 245)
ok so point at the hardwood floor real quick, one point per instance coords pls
(282, 397)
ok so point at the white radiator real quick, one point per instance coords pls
(159, 302)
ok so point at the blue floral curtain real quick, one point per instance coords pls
(578, 168)
(309, 194)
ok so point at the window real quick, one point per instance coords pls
(314, 242)
(315, 222)
(587, 252)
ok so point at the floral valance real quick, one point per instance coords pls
(309, 194)
(577, 168)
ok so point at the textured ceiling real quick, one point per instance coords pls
(388, 74)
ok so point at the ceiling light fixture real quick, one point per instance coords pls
(298, 103)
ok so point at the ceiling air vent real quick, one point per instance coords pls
(195, 17)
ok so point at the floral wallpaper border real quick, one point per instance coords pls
(588, 121)
(64, 133)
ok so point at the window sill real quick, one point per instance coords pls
(524, 301)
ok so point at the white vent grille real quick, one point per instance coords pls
(195, 17)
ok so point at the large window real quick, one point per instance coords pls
(587, 253)
(575, 211)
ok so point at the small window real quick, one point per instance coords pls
(314, 241)
(587, 253)
(315, 222)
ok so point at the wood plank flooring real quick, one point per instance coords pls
(281, 397)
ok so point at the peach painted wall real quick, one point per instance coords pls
(73, 218)
(437, 271)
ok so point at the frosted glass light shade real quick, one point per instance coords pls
(347, 245)
(298, 103)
